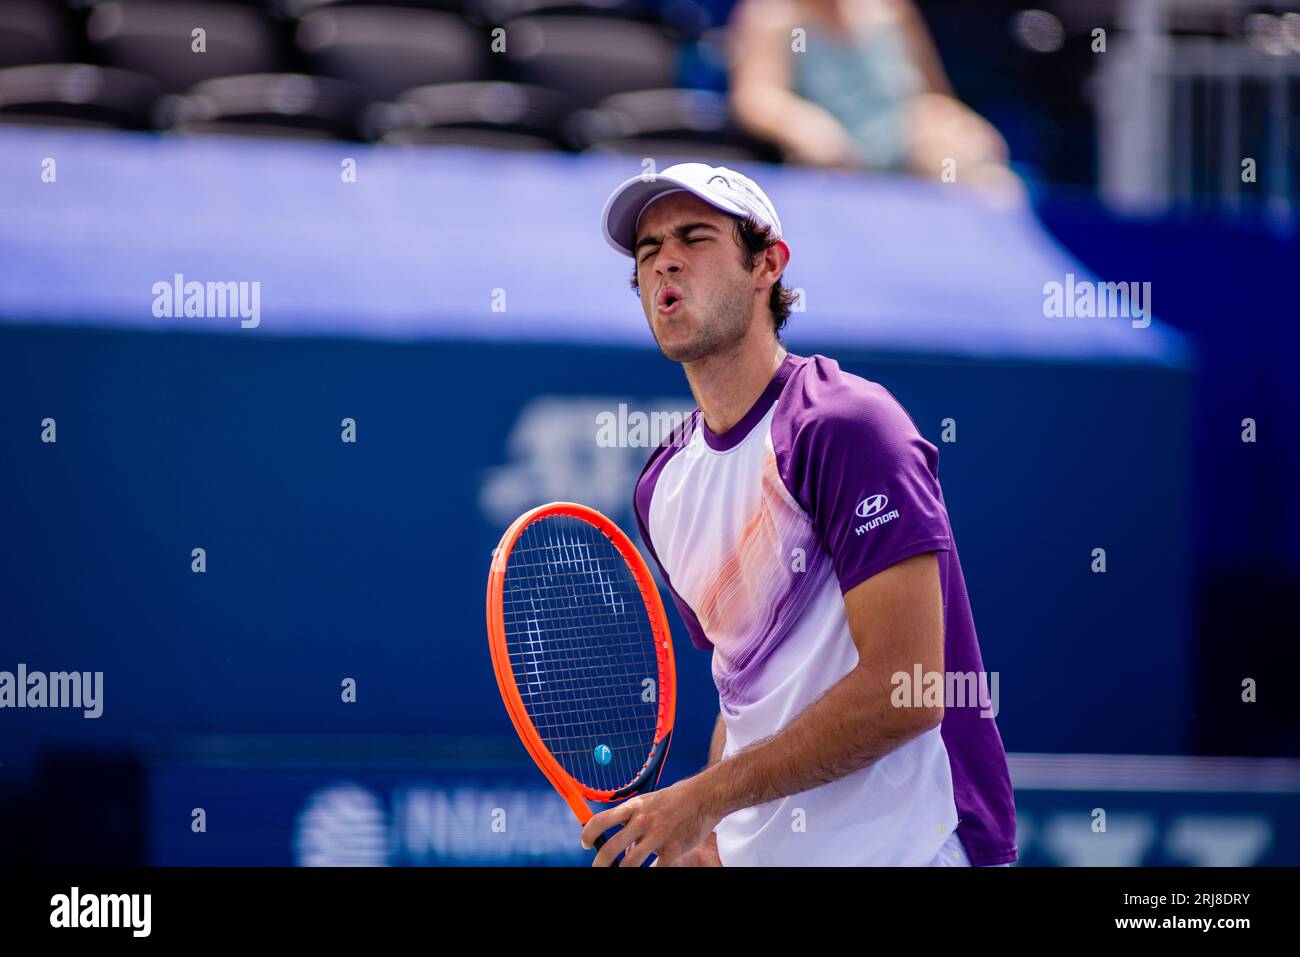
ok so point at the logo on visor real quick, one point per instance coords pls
(744, 192)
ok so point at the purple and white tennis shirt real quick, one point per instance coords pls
(759, 532)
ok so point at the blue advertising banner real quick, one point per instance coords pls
(1073, 811)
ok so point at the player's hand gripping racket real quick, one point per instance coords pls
(582, 654)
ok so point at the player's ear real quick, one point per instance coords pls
(780, 249)
(774, 260)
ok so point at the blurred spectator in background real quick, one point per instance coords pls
(857, 84)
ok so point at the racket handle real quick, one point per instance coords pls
(600, 842)
(597, 844)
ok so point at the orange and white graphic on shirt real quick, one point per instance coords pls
(738, 605)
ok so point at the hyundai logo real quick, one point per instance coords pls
(871, 505)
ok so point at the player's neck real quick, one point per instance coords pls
(727, 384)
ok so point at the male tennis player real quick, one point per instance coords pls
(798, 522)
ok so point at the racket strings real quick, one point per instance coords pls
(581, 649)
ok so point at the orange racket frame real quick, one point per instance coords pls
(575, 793)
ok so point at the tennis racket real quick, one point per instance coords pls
(582, 654)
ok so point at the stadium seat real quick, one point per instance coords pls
(265, 104)
(293, 9)
(32, 31)
(156, 38)
(385, 50)
(685, 17)
(590, 58)
(508, 116)
(76, 94)
(670, 121)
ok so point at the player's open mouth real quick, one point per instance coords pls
(669, 302)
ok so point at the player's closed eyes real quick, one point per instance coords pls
(689, 242)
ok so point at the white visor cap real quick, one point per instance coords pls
(729, 191)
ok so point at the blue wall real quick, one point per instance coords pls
(328, 560)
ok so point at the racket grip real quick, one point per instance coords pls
(599, 842)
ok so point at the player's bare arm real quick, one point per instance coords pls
(896, 620)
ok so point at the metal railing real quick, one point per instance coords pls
(1200, 120)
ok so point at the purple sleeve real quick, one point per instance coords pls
(853, 459)
(641, 501)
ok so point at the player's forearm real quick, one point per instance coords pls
(850, 726)
(717, 743)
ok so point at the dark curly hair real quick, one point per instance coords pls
(753, 239)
